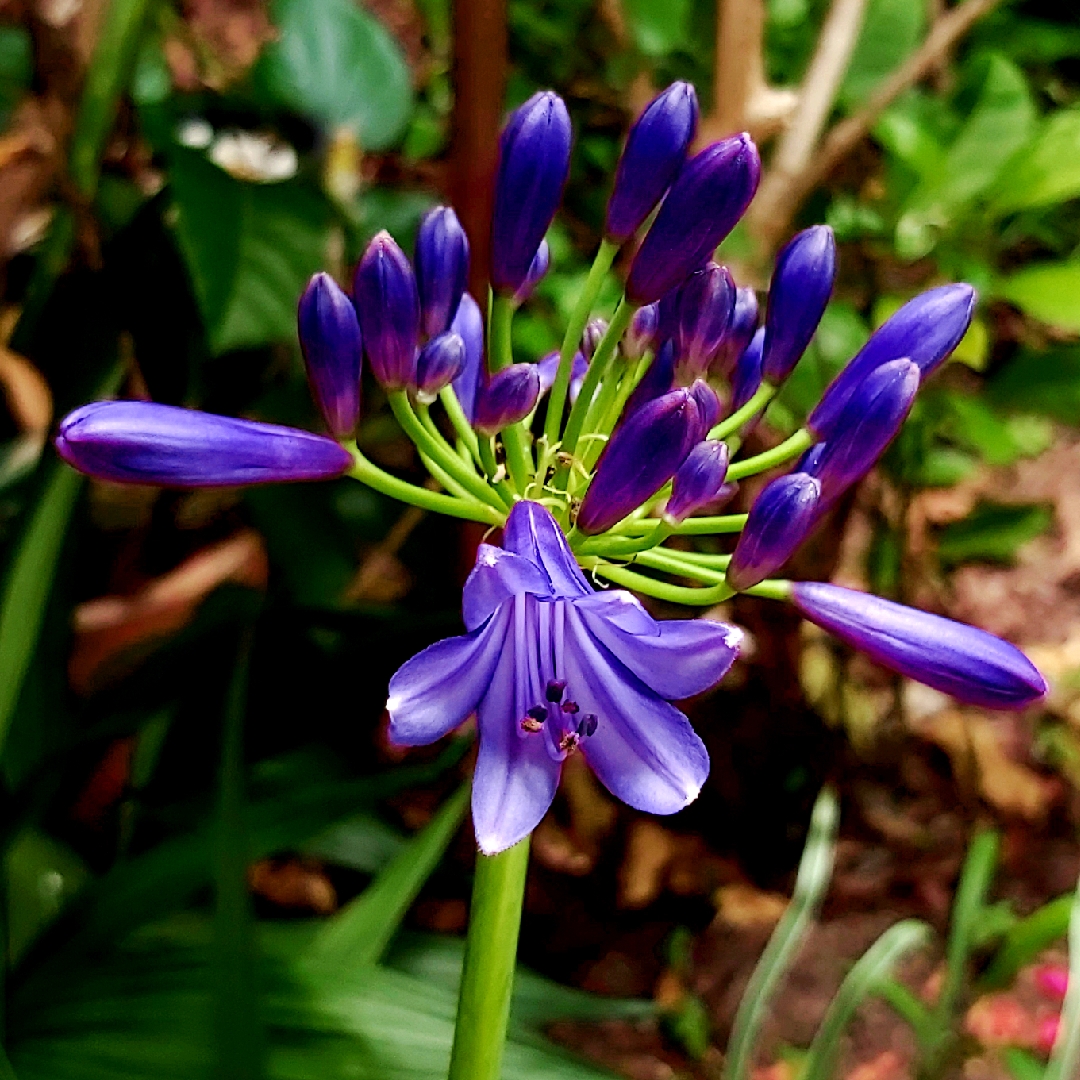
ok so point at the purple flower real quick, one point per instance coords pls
(779, 520)
(551, 667)
(654, 153)
(706, 304)
(926, 330)
(441, 360)
(387, 305)
(658, 379)
(641, 337)
(508, 396)
(746, 379)
(141, 442)
(969, 664)
(708, 405)
(800, 289)
(534, 161)
(330, 340)
(442, 268)
(699, 481)
(548, 367)
(538, 268)
(468, 324)
(641, 456)
(703, 205)
(741, 329)
(594, 332)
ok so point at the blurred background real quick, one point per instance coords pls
(213, 863)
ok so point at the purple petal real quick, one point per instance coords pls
(498, 576)
(438, 688)
(532, 532)
(644, 750)
(468, 324)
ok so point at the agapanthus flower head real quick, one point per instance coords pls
(141, 442)
(801, 285)
(468, 324)
(706, 200)
(706, 304)
(925, 330)
(641, 456)
(534, 162)
(552, 668)
(595, 329)
(538, 268)
(641, 337)
(388, 307)
(441, 361)
(442, 268)
(743, 324)
(330, 340)
(778, 523)
(969, 664)
(699, 481)
(507, 397)
(655, 151)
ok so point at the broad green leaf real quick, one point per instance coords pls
(1047, 383)
(1049, 292)
(1045, 171)
(336, 63)
(890, 30)
(250, 249)
(362, 842)
(659, 26)
(1022, 1064)
(971, 423)
(904, 132)
(993, 531)
(1002, 121)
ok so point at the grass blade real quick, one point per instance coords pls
(1027, 939)
(815, 869)
(1064, 1061)
(875, 964)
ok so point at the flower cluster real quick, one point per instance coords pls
(592, 459)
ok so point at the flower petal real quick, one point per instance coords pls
(515, 777)
(644, 750)
(438, 688)
(533, 533)
(681, 658)
(497, 576)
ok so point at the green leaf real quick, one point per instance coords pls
(1002, 121)
(1049, 292)
(1022, 1064)
(250, 249)
(659, 28)
(1047, 383)
(891, 29)
(16, 68)
(993, 531)
(1026, 939)
(1065, 1057)
(1046, 171)
(334, 62)
(971, 423)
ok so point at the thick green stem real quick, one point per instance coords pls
(699, 526)
(778, 455)
(460, 421)
(487, 979)
(519, 463)
(575, 327)
(765, 394)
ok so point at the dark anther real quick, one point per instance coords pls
(555, 690)
(538, 713)
(571, 707)
(587, 726)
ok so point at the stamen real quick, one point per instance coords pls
(555, 690)
(532, 725)
(538, 712)
(570, 707)
(569, 742)
(588, 724)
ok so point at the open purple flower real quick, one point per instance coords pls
(551, 667)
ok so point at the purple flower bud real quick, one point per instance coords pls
(926, 330)
(811, 459)
(705, 201)
(699, 481)
(708, 405)
(658, 379)
(441, 360)
(741, 329)
(780, 519)
(800, 289)
(867, 424)
(641, 456)
(548, 367)
(641, 337)
(141, 442)
(508, 396)
(442, 268)
(654, 153)
(468, 324)
(706, 304)
(594, 331)
(384, 294)
(538, 268)
(330, 340)
(970, 664)
(746, 379)
(534, 161)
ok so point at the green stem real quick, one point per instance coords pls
(519, 463)
(442, 455)
(725, 523)
(447, 482)
(368, 473)
(788, 449)
(618, 546)
(661, 590)
(627, 385)
(460, 421)
(487, 979)
(765, 394)
(575, 327)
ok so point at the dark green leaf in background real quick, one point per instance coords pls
(993, 531)
(16, 68)
(1049, 292)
